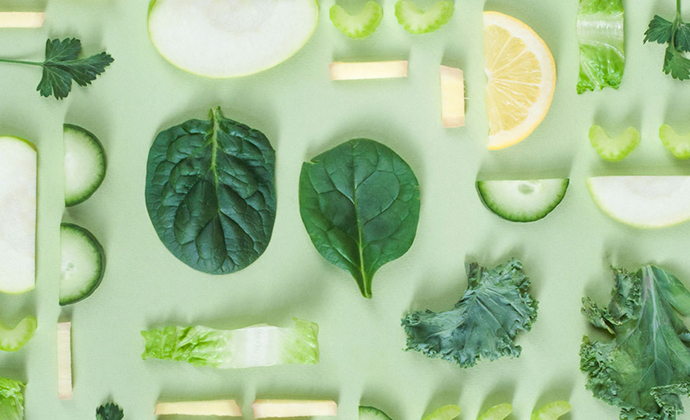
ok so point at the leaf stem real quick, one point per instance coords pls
(31, 63)
(677, 7)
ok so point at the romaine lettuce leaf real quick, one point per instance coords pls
(11, 400)
(600, 31)
(645, 368)
(260, 345)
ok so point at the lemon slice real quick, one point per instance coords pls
(521, 77)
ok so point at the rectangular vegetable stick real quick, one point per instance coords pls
(21, 19)
(64, 350)
(452, 97)
(293, 408)
(226, 408)
(368, 70)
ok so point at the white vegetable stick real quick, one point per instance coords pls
(293, 408)
(64, 350)
(21, 19)
(368, 70)
(452, 97)
(226, 408)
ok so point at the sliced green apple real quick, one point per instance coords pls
(17, 215)
(230, 38)
(222, 408)
(643, 201)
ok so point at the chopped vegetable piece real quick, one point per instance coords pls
(17, 215)
(452, 97)
(370, 70)
(225, 408)
(614, 149)
(644, 369)
(84, 164)
(677, 35)
(64, 352)
(293, 408)
(484, 324)
(497, 412)
(109, 411)
(678, 145)
(15, 338)
(82, 264)
(11, 399)
(417, 21)
(371, 413)
(601, 34)
(523, 200)
(551, 411)
(447, 412)
(359, 26)
(21, 19)
(261, 345)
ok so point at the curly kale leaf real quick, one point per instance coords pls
(109, 411)
(484, 324)
(645, 368)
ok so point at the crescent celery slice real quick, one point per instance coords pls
(678, 145)
(13, 339)
(359, 26)
(417, 21)
(293, 408)
(551, 411)
(497, 412)
(224, 408)
(614, 149)
(447, 412)
(372, 413)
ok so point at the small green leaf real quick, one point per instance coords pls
(109, 411)
(676, 64)
(660, 30)
(683, 38)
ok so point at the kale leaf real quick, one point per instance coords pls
(109, 411)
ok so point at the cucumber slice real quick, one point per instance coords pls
(497, 412)
(447, 412)
(417, 21)
(84, 164)
(678, 145)
(83, 264)
(371, 413)
(614, 149)
(359, 26)
(552, 411)
(522, 201)
(13, 339)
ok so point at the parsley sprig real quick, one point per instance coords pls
(676, 34)
(109, 411)
(63, 65)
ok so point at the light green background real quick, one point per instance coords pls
(303, 114)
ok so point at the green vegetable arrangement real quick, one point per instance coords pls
(210, 193)
(360, 205)
(11, 400)
(645, 368)
(676, 34)
(484, 324)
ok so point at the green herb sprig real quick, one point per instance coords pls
(676, 34)
(109, 411)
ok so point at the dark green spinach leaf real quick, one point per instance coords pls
(210, 193)
(360, 205)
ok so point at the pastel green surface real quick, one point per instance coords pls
(566, 255)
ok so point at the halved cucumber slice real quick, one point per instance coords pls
(447, 412)
(13, 339)
(497, 412)
(417, 21)
(84, 164)
(643, 201)
(678, 145)
(614, 149)
(371, 413)
(83, 264)
(552, 411)
(522, 201)
(359, 26)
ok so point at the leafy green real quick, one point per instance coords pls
(109, 411)
(11, 400)
(210, 193)
(676, 34)
(261, 345)
(360, 205)
(62, 66)
(600, 31)
(645, 368)
(495, 307)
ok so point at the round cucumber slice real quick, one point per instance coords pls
(83, 264)
(522, 201)
(417, 21)
(447, 412)
(552, 411)
(359, 26)
(13, 339)
(678, 145)
(84, 164)
(497, 412)
(371, 413)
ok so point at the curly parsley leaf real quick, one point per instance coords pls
(676, 34)
(109, 411)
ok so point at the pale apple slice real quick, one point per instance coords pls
(452, 97)
(223, 408)
(22, 19)
(368, 70)
(17, 215)
(293, 408)
(64, 351)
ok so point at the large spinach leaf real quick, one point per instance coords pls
(210, 193)
(360, 204)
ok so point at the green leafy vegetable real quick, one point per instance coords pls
(483, 324)
(109, 411)
(645, 368)
(11, 400)
(601, 35)
(676, 34)
(261, 345)
(62, 66)
(359, 26)
(210, 193)
(360, 205)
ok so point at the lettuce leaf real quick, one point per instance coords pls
(600, 31)
(260, 345)
(484, 323)
(11, 400)
(645, 368)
